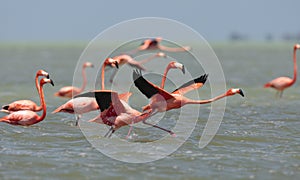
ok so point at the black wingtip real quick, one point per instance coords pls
(201, 79)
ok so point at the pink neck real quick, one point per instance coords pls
(165, 76)
(208, 100)
(43, 104)
(295, 68)
(84, 80)
(37, 85)
(102, 76)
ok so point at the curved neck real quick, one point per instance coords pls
(208, 100)
(102, 76)
(295, 67)
(84, 79)
(43, 104)
(165, 76)
(37, 85)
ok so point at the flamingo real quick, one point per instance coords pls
(161, 100)
(154, 44)
(27, 117)
(171, 65)
(81, 105)
(115, 112)
(69, 91)
(26, 104)
(126, 59)
(281, 83)
(129, 114)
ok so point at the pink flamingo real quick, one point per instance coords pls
(69, 91)
(126, 59)
(81, 105)
(154, 44)
(26, 104)
(115, 112)
(119, 113)
(161, 100)
(281, 83)
(27, 117)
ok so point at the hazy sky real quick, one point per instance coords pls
(71, 20)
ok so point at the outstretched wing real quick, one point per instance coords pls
(147, 88)
(191, 85)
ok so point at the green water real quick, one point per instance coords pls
(259, 136)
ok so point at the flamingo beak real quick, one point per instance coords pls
(52, 83)
(117, 64)
(183, 69)
(48, 76)
(241, 92)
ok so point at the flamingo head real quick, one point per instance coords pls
(177, 65)
(161, 54)
(45, 81)
(111, 62)
(234, 91)
(88, 64)
(297, 46)
(42, 73)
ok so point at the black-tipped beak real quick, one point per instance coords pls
(51, 82)
(183, 69)
(117, 64)
(48, 76)
(241, 92)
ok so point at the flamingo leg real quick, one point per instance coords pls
(280, 95)
(109, 132)
(77, 117)
(156, 126)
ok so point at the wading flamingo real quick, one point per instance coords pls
(27, 104)
(27, 117)
(171, 65)
(281, 83)
(81, 105)
(126, 59)
(154, 44)
(69, 91)
(115, 112)
(161, 100)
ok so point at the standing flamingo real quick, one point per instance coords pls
(281, 83)
(69, 91)
(27, 117)
(154, 44)
(171, 65)
(161, 100)
(27, 104)
(81, 105)
(126, 59)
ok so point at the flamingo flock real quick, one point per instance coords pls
(115, 111)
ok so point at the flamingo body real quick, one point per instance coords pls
(26, 104)
(27, 117)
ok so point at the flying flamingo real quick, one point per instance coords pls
(126, 59)
(81, 105)
(27, 117)
(115, 112)
(69, 91)
(127, 115)
(281, 83)
(161, 100)
(26, 104)
(154, 44)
